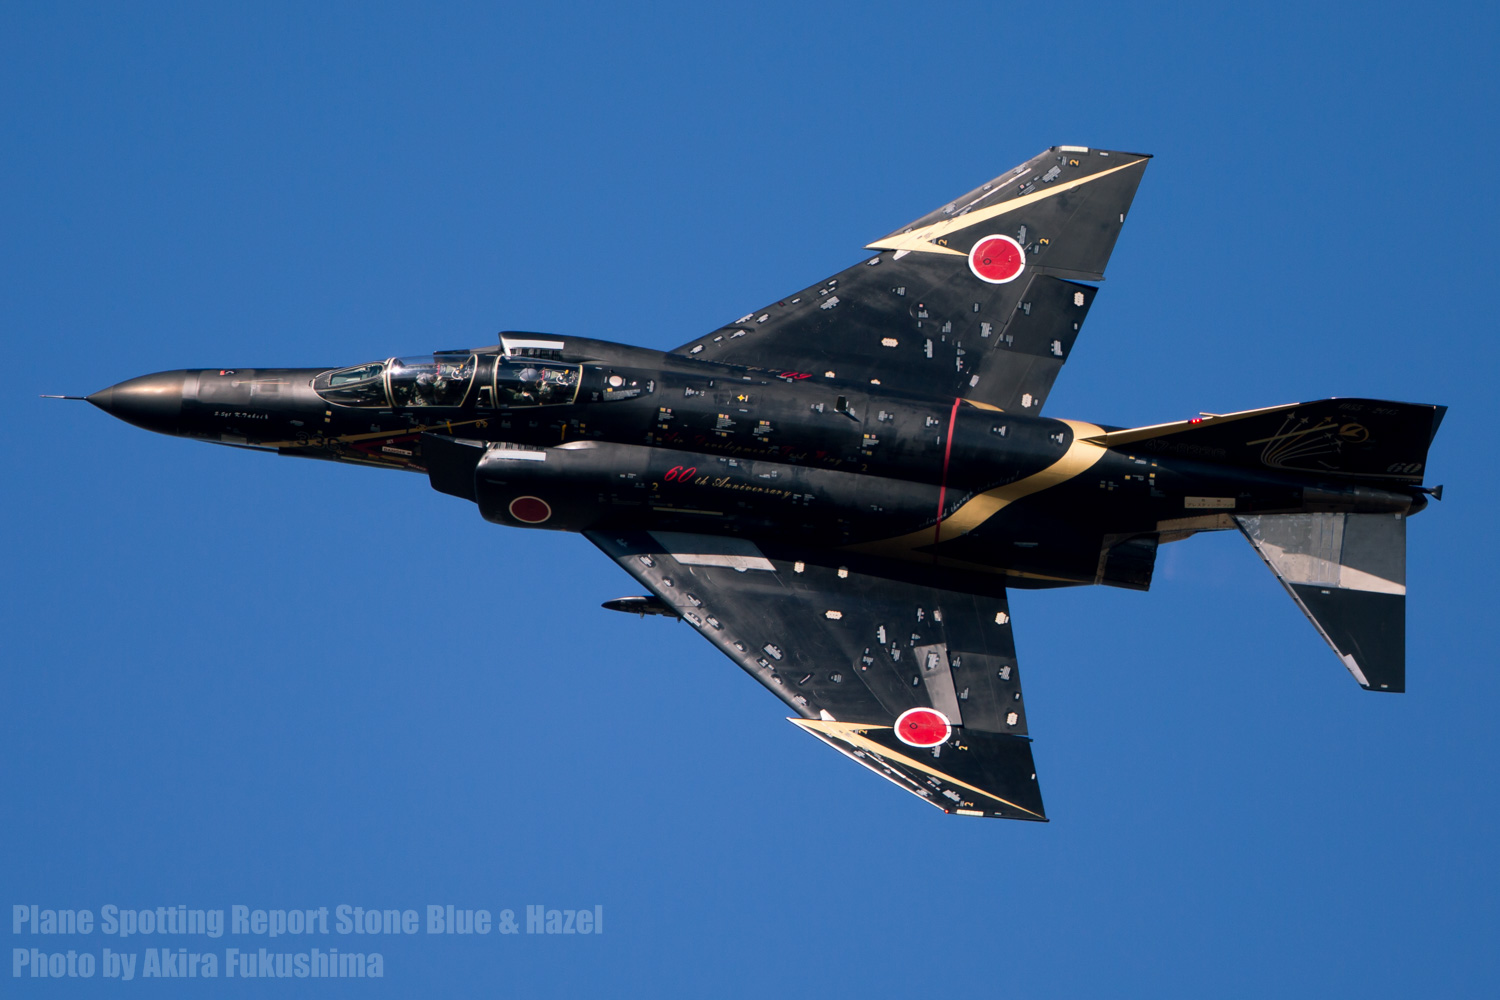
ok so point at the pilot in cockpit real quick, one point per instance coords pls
(530, 390)
(429, 388)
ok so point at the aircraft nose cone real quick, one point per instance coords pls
(151, 401)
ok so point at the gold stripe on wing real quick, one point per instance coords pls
(850, 733)
(919, 239)
(1082, 454)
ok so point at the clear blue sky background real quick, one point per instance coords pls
(230, 678)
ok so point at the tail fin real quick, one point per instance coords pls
(1347, 572)
(1367, 439)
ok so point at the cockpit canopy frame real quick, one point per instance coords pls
(454, 380)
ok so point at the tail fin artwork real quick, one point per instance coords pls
(1343, 560)
(1368, 439)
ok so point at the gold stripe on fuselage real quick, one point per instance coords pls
(374, 435)
(1082, 455)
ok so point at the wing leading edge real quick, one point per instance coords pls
(849, 652)
(919, 317)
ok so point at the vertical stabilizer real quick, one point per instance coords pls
(1347, 572)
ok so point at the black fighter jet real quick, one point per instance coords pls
(837, 489)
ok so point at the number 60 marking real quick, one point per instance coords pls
(677, 474)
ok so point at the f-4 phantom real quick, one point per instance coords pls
(838, 489)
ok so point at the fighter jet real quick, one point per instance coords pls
(838, 489)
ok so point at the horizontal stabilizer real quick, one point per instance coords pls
(1347, 572)
(973, 774)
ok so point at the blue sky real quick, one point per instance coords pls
(234, 679)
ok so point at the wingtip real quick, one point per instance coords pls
(1098, 151)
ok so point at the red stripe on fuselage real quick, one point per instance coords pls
(943, 482)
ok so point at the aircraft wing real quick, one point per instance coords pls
(851, 652)
(979, 299)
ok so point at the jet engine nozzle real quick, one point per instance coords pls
(151, 401)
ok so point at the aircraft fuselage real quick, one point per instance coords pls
(583, 435)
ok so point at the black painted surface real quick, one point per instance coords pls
(838, 489)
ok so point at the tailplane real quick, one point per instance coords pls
(1347, 572)
(1345, 566)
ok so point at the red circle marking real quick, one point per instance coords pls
(532, 510)
(997, 259)
(923, 727)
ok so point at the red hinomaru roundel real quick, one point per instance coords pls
(923, 727)
(532, 510)
(997, 259)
